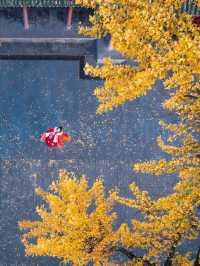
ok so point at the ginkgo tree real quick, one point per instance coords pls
(180, 209)
(155, 34)
(175, 216)
(75, 225)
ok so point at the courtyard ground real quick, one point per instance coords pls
(38, 94)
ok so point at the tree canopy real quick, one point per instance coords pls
(76, 223)
(157, 35)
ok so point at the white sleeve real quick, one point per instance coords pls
(55, 139)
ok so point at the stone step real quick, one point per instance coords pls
(82, 49)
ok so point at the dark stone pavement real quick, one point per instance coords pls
(38, 94)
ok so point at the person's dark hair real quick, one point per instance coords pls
(61, 128)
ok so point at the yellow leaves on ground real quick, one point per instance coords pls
(75, 224)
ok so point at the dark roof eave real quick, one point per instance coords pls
(36, 3)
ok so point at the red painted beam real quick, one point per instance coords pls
(69, 18)
(25, 18)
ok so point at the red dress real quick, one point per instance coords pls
(55, 139)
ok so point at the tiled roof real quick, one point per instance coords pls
(36, 3)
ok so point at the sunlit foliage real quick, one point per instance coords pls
(155, 34)
(75, 225)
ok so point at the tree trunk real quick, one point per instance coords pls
(25, 17)
(69, 18)
(196, 262)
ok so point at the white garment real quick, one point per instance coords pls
(57, 133)
(55, 139)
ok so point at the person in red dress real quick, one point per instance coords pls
(55, 137)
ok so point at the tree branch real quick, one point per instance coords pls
(130, 255)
